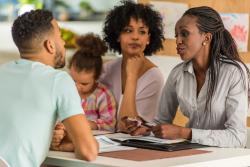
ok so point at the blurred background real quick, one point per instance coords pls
(75, 17)
(63, 10)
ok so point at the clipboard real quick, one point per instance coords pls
(161, 146)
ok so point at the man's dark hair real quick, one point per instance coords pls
(119, 17)
(29, 29)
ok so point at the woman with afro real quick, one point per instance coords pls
(134, 31)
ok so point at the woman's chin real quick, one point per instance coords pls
(134, 52)
(184, 57)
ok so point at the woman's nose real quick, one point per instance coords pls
(135, 36)
(178, 40)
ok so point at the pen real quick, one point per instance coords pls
(142, 123)
(148, 124)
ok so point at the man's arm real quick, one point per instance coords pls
(79, 132)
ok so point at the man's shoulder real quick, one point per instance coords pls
(59, 77)
(48, 71)
(59, 73)
(7, 64)
(33, 70)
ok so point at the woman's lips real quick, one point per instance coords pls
(134, 45)
(180, 50)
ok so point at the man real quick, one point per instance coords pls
(34, 94)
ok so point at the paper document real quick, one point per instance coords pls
(107, 145)
(151, 138)
(100, 132)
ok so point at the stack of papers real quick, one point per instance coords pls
(123, 137)
(107, 145)
(121, 141)
(151, 142)
(101, 132)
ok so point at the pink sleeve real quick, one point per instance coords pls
(107, 111)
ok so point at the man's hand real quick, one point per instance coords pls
(58, 135)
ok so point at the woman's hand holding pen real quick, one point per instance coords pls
(166, 131)
(169, 131)
(136, 126)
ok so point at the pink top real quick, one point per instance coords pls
(100, 107)
(148, 91)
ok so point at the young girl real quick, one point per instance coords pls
(97, 101)
(85, 68)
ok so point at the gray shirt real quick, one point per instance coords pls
(225, 125)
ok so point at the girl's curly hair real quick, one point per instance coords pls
(88, 56)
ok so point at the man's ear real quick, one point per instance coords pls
(49, 46)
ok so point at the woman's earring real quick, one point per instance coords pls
(204, 43)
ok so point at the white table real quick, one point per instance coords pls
(219, 157)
